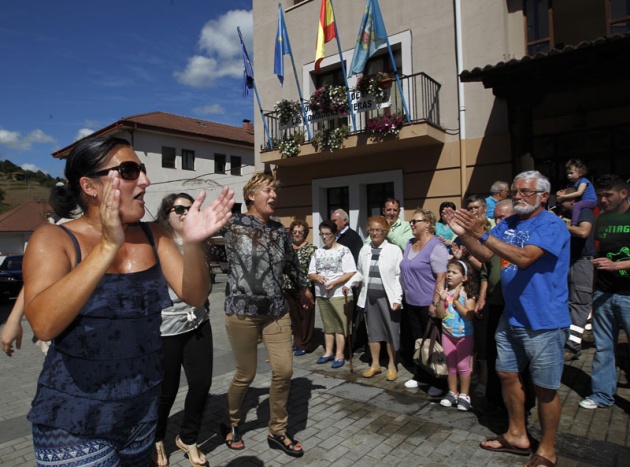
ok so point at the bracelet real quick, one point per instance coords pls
(435, 302)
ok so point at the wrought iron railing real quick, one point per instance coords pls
(422, 98)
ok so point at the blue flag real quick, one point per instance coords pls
(248, 69)
(372, 35)
(283, 46)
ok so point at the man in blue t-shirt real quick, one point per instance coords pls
(534, 247)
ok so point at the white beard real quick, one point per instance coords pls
(524, 208)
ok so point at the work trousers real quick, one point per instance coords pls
(244, 332)
(580, 300)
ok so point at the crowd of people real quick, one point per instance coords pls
(506, 281)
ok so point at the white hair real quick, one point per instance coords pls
(499, 186)
(542, 182)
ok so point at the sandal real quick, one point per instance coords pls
(193, 452)
(278, 442)
(236, 437)
(158, 455)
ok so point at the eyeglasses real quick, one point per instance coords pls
(415, 221)
(377, 231)
(179, 209)
(128, 170)
(297, 232)
(326, 235)
(525, 193)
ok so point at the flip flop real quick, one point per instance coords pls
(537, 460)
(277, 442)
(505, 446)
(188, 448)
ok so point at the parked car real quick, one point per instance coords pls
(10, 278)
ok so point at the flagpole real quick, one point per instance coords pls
(343, 69)
(262, 113)
(297, 82)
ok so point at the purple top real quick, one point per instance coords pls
(419, 273)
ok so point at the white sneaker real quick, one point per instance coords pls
(463, 403)
(411, 384)
(434, 392)
(588, 404)
(450, 400)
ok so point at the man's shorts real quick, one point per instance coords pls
(543, 350)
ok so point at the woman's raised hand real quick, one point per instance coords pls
(109, 209)
(203, 223)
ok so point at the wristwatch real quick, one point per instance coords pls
(435, 302)
(484, 237)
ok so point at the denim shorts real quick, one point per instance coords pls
(542, 350)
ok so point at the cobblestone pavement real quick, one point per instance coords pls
(344, 419)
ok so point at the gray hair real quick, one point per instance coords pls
(542, 182)
(505, 202)
(342, 213)
(498, 186)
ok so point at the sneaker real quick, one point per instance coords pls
(434, 392)
(463, 403)
(450, 400)
(411, 384)
(588, 404)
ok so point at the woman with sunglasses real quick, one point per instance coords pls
(259, 253)
(302, 319)
(423, 266)
(96, 288)
(187, 342)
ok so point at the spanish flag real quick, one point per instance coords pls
(325, 31)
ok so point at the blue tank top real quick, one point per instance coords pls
(103, 373)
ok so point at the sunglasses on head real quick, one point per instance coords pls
(128, 170)
(179, 209)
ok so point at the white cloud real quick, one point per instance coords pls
(82, 133)
(15, 140)
(209, 109)
(32, 167)
(220, 43)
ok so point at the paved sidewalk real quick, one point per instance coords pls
(344, 419)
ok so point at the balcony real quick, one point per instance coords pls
(421, 94)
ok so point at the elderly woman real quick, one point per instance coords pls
(381, 295)
(331, 267)
(187, 342)
(259, 253)
(96, 288)
(423, 267)
(302, 319)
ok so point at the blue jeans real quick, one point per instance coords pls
(609, 311)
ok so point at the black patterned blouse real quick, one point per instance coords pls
(258, 255)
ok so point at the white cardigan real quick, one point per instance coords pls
(389, 266)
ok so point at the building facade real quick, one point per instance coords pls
(463, 133)
(185, 154)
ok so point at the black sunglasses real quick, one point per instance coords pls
(179, 209)
(128, 170)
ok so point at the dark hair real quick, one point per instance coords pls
(474, 199)
(86, 157)
(300, 223)
(611, 181)
(165, 209)
(470, 286)
(445, 204)
(328, 224)
(580, 167)
(391, 200)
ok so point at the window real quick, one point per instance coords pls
(235, 165)
(539, 15)
(188, 159)
(326, 78)
(338, 198)
(619, 16)
(381, 61)
(219, 163)
(168, 157)
(377, 193)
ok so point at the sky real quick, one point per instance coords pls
(71, 67)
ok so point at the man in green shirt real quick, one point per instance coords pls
(399, 230)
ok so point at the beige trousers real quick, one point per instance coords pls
(244, 332)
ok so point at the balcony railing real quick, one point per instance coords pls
(422, 98)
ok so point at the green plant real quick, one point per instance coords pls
(330, 138)
(290, 146)
(372, 86)
(329, 99)
(287, 110)
(385, 125)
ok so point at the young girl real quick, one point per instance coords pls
(456, 308)
(576, 173)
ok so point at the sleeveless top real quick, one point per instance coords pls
(103, 373)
